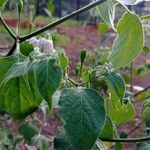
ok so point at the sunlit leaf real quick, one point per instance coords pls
(107, 12)
(122, 113)
(129, 42)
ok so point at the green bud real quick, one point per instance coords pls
(20, 6)
(82, 56)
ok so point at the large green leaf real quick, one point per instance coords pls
(62, 142)
(108, 129)
(48, 76)
(18, 99)
(123, 113)
(107, 12)
(6, 63)
(18, 69)
(129, 42)
(83, 114)
(116, 86)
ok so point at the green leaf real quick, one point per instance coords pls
(28, 131)
(64, 61)
(146, 50)
(26, 48)
(107, 12)
(129, 42)
(61, 141)
(103, 28)
(2, 3)
(82, 56)
(118, 146)
(123, 113)
(48, 76)
(6, 63)
(116, 86)
(108, 129)
(127, 2)
(146, 112)
(18, 69)
(18, 99)
(83, 114)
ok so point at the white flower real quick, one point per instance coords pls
(42, 44)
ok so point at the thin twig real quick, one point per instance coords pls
(61, 20)
(127, 140)
(138, 93)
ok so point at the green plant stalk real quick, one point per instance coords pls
(127, 140)
(61, 20)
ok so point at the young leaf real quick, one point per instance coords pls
(129, 42)
(48, 77)
(28, 131)
(122, 113)
(64, 61)
(26, 48)
(83, 114)
(17, 99)
(107, 12)
(116, 86)
(82, 56)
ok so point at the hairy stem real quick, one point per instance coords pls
(61, 20)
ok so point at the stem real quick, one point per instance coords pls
(135, 128)
(131, 73)
(7, 28)
(127, 140)
(72, 81)
(138, 93)
(61, 20)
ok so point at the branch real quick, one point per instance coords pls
(12, 49)
(7, 28)
(61, 20)
(138, 93)
(127, 140)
